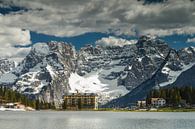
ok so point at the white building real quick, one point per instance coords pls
(158, 102)
(141, 104)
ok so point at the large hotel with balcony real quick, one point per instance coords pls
(80, 101)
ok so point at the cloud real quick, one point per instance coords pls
(113, 41)
(166, 32)
(12, 37)
(191, 40)
(69, 18)
(75, 17)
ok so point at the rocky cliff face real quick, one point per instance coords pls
(130, 65)
(44, 73)
(177, 69)
(6, 66)
(113, 72)
(150, 54)
(121, 68)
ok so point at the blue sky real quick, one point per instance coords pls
(175, 41)
(179, 41)
(78, 41)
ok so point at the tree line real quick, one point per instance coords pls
(8, 95)
(173, 96)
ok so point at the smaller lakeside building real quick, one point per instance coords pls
(141, 104)
(80, 101)
(158, 102)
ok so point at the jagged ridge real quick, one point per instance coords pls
(52, 69)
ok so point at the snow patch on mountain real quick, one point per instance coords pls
(89, 84)
(92, 84)
(51, 71)
(173, 75)
(29, 83)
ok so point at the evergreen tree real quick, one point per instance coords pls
(13, 96)
(174, 95)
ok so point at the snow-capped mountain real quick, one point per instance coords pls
(44, 73)
(118, 74)
(177, 69)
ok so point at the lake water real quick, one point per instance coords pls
(96, 120)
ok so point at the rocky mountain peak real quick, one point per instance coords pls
(52, 69)
(44, 73)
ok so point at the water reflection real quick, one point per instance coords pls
(96, 120)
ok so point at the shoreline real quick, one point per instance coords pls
(118, 110)
(165, 109)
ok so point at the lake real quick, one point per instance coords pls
(96, 120)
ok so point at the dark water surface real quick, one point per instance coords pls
(96, 120)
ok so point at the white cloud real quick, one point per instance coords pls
(69, 18)
(9, 39)
(13, 36)
(166, 32)
(113, 41)
(191, 40)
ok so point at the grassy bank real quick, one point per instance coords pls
(167, 109)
